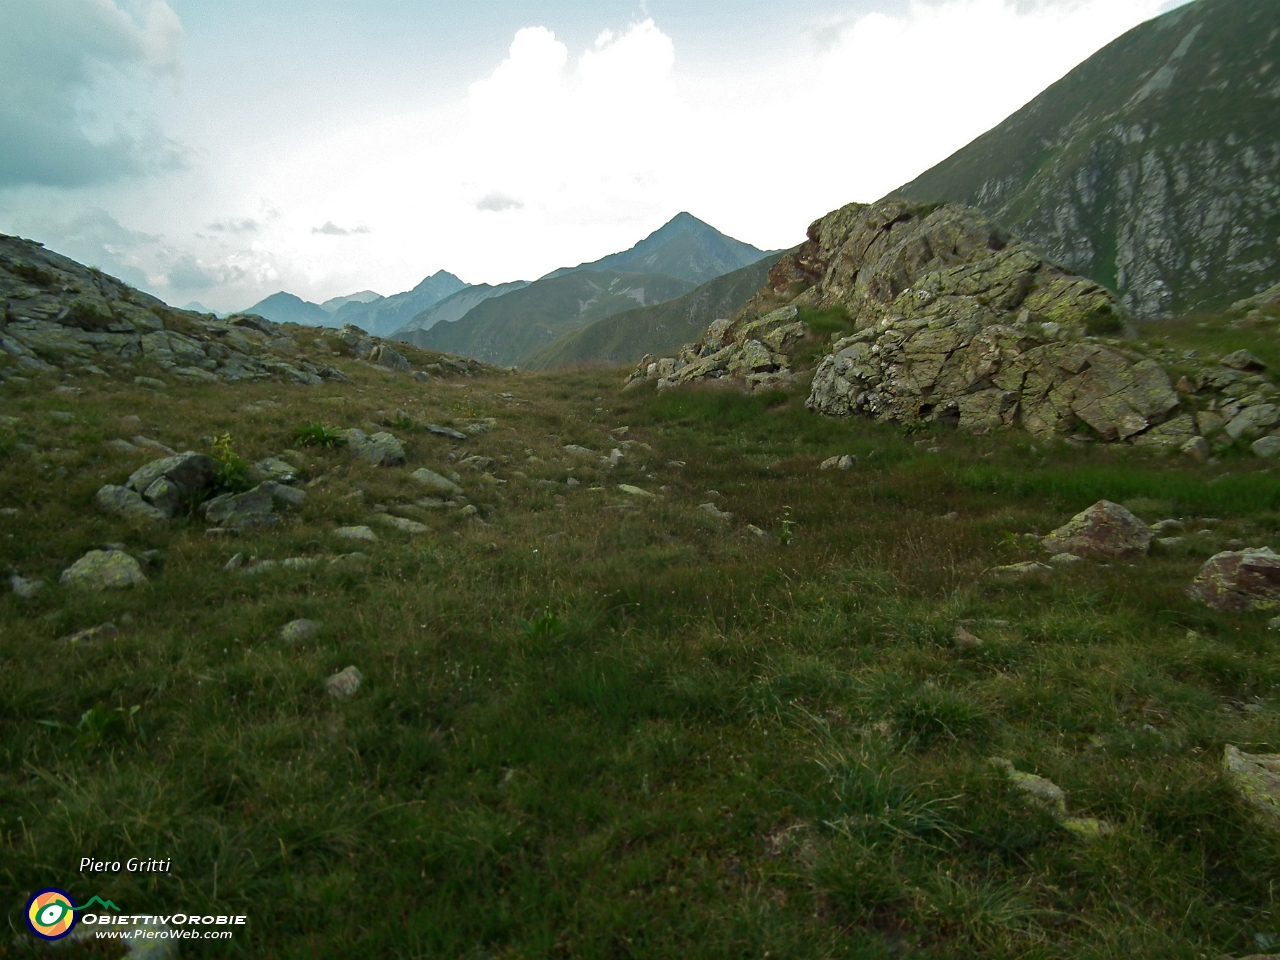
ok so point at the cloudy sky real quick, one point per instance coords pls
(221, 150)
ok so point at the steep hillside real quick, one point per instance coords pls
(626, 337)
(454, 307)
(506, 330)
(286, 308)
(384, 317)
(1152, 168)
(685, 247)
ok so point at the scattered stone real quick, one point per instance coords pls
(1238, 581)
(1023, 569)
(1104, 530)
(104, 569)
(715, 511)
(1049, 796)
(234, 563)
(1243, 360)
(951, 517)
(9, 511)
(422, 376)
(356, 533)
(846, 462)
(344, 685)
(436, 483)
(384, 356)
(444, 432)
(1065, 559)
(131, 421)
(275, 469)
(150, 444)
(150, 382)
(468, 511)
(615, 457)
(1256, 777)
(124, 446)
(579, 451)
(1268, 447)
(90, 634)
(573, 482)
(402, 524)
(243, 511)
(381, 449)
(966, 640)
(1252, 420)
(127, 503)
(353, 559)
(763, 535)
(172, 483)
(635, 491)
(298, 630)
(24, 588)
(1170, 541)
(1164, 526)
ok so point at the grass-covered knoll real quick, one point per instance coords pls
(694, 741)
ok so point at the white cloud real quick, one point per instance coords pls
(67, 67)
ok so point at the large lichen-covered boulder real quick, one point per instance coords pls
(1256, 778)
(1103, 531)
(1239, 580)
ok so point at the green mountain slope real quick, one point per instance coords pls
(1153, 167)
(685, 247)
(506, 330)
(659, 329)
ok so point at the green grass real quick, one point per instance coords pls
(597, 732)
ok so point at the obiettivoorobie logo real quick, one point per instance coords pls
(51, 913)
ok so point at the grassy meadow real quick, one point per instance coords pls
(696, 740)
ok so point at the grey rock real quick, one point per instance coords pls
(298, 630)
(275, 469)
(381, 449)
(189, 476)
(846, 462)
(127, 503)
(356, 533)
(90, 634)
(123, 446)
(156, 445)
(445, 432)
(715, 511)
(402, 524)
(104, 569)
(1105, 530)
(243, 511)
(150, 382)
(1239, 580)
(1065, 559)
(345, 684)
(1268, 447)
(1197, 448)
(1243, 360)
(384, 356)
(436, 483)
(422, 376)
(24, 588)
(1253, 420)
(579, 451)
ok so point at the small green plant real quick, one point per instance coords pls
(233, 473)
(911, 427)
(787, 533)
(318, 435)
(101, 725)
(404, 422)
(544, 627)
(1010, 540)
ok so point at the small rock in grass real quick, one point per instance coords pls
(468, 511)
(127, 503)
(757, 531)
(243, 511)
(402, 524)
(634, 491)
(1065, 559)
(132, 422)
(1169, 541)
(846, 462)
(90, 634)
(234, 563)
(579, 451)
(966, 640)
(273, 468)
(951, 517)
(1162, 526)
(356, 533)
(422, 376)
(150, 382)
(381, 449)
(572, 482)
(297, 630)
(1023, 569)
(1256, 778)
(345, 684)
(104, 569)
(715, 511)
(1105, 530)
(124, 446)
(1242, 360)
(25, 589)
(436, 483)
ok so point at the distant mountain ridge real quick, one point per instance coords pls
(505, 330)
(1152, 168)
(660, 329)
(454, 307)
(684, 247)
(362, 296)
(286, 308)
(384, 317)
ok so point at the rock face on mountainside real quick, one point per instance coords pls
(954, 320)
(1153, 167)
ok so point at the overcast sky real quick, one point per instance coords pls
(221, 150)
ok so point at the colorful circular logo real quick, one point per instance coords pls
(51, 913)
